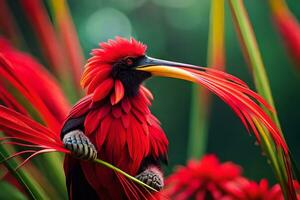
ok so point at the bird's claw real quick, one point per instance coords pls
(151, 178)
(79, 145)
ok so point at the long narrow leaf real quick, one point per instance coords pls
(32, 188)
(280, 161)
(34, 82)
(50, 44)
(288, 27)
(10, 192)
(69, 38)
(41, 24)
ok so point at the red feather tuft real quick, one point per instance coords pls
(29, 132)
(99, 66)
(103, 89)
(113, 50)
(118, 94)
(35, 83)
(241, 100)
(96, 79)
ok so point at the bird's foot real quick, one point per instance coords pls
(152, 177)
(80, 145)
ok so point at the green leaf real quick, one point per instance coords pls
(197, 139)
(8, 192)
(32, 188)
(51, 165)
(108, 165)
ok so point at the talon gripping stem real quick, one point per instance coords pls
(79, 145)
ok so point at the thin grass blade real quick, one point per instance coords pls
(70, 41)
(280, 161)
(32, 188)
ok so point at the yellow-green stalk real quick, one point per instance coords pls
(200, 106)
(254, 60)
(117, 170)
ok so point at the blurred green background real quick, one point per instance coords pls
(178, 30)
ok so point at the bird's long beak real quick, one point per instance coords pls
(229, 88)
(165, 68)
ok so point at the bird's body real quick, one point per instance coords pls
(124, 132)
(126, 135)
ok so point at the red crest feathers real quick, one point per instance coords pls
(113, 50)
(98, 69)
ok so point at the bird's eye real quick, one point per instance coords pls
(129, 61)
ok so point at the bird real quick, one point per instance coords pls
(113, 121)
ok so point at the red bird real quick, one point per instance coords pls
(113, 122)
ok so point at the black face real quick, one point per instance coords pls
(124, 70)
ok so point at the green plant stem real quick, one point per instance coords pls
(51, 165)
(254, 59)
(32, 188)
(197, 140)
(8, 191)
(106, 164)
(252, 54)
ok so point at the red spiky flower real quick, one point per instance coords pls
(204, 179)
(210, 179)
(252, 190)
(115, 116)
(259, 191)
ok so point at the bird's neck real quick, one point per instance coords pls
(130, 79)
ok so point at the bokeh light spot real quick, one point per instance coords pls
(175, 3)
(128, 5)
(188, 18)
(105, 24)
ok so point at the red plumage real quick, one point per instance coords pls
(122, 128)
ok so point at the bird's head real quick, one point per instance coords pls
(119, 66)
